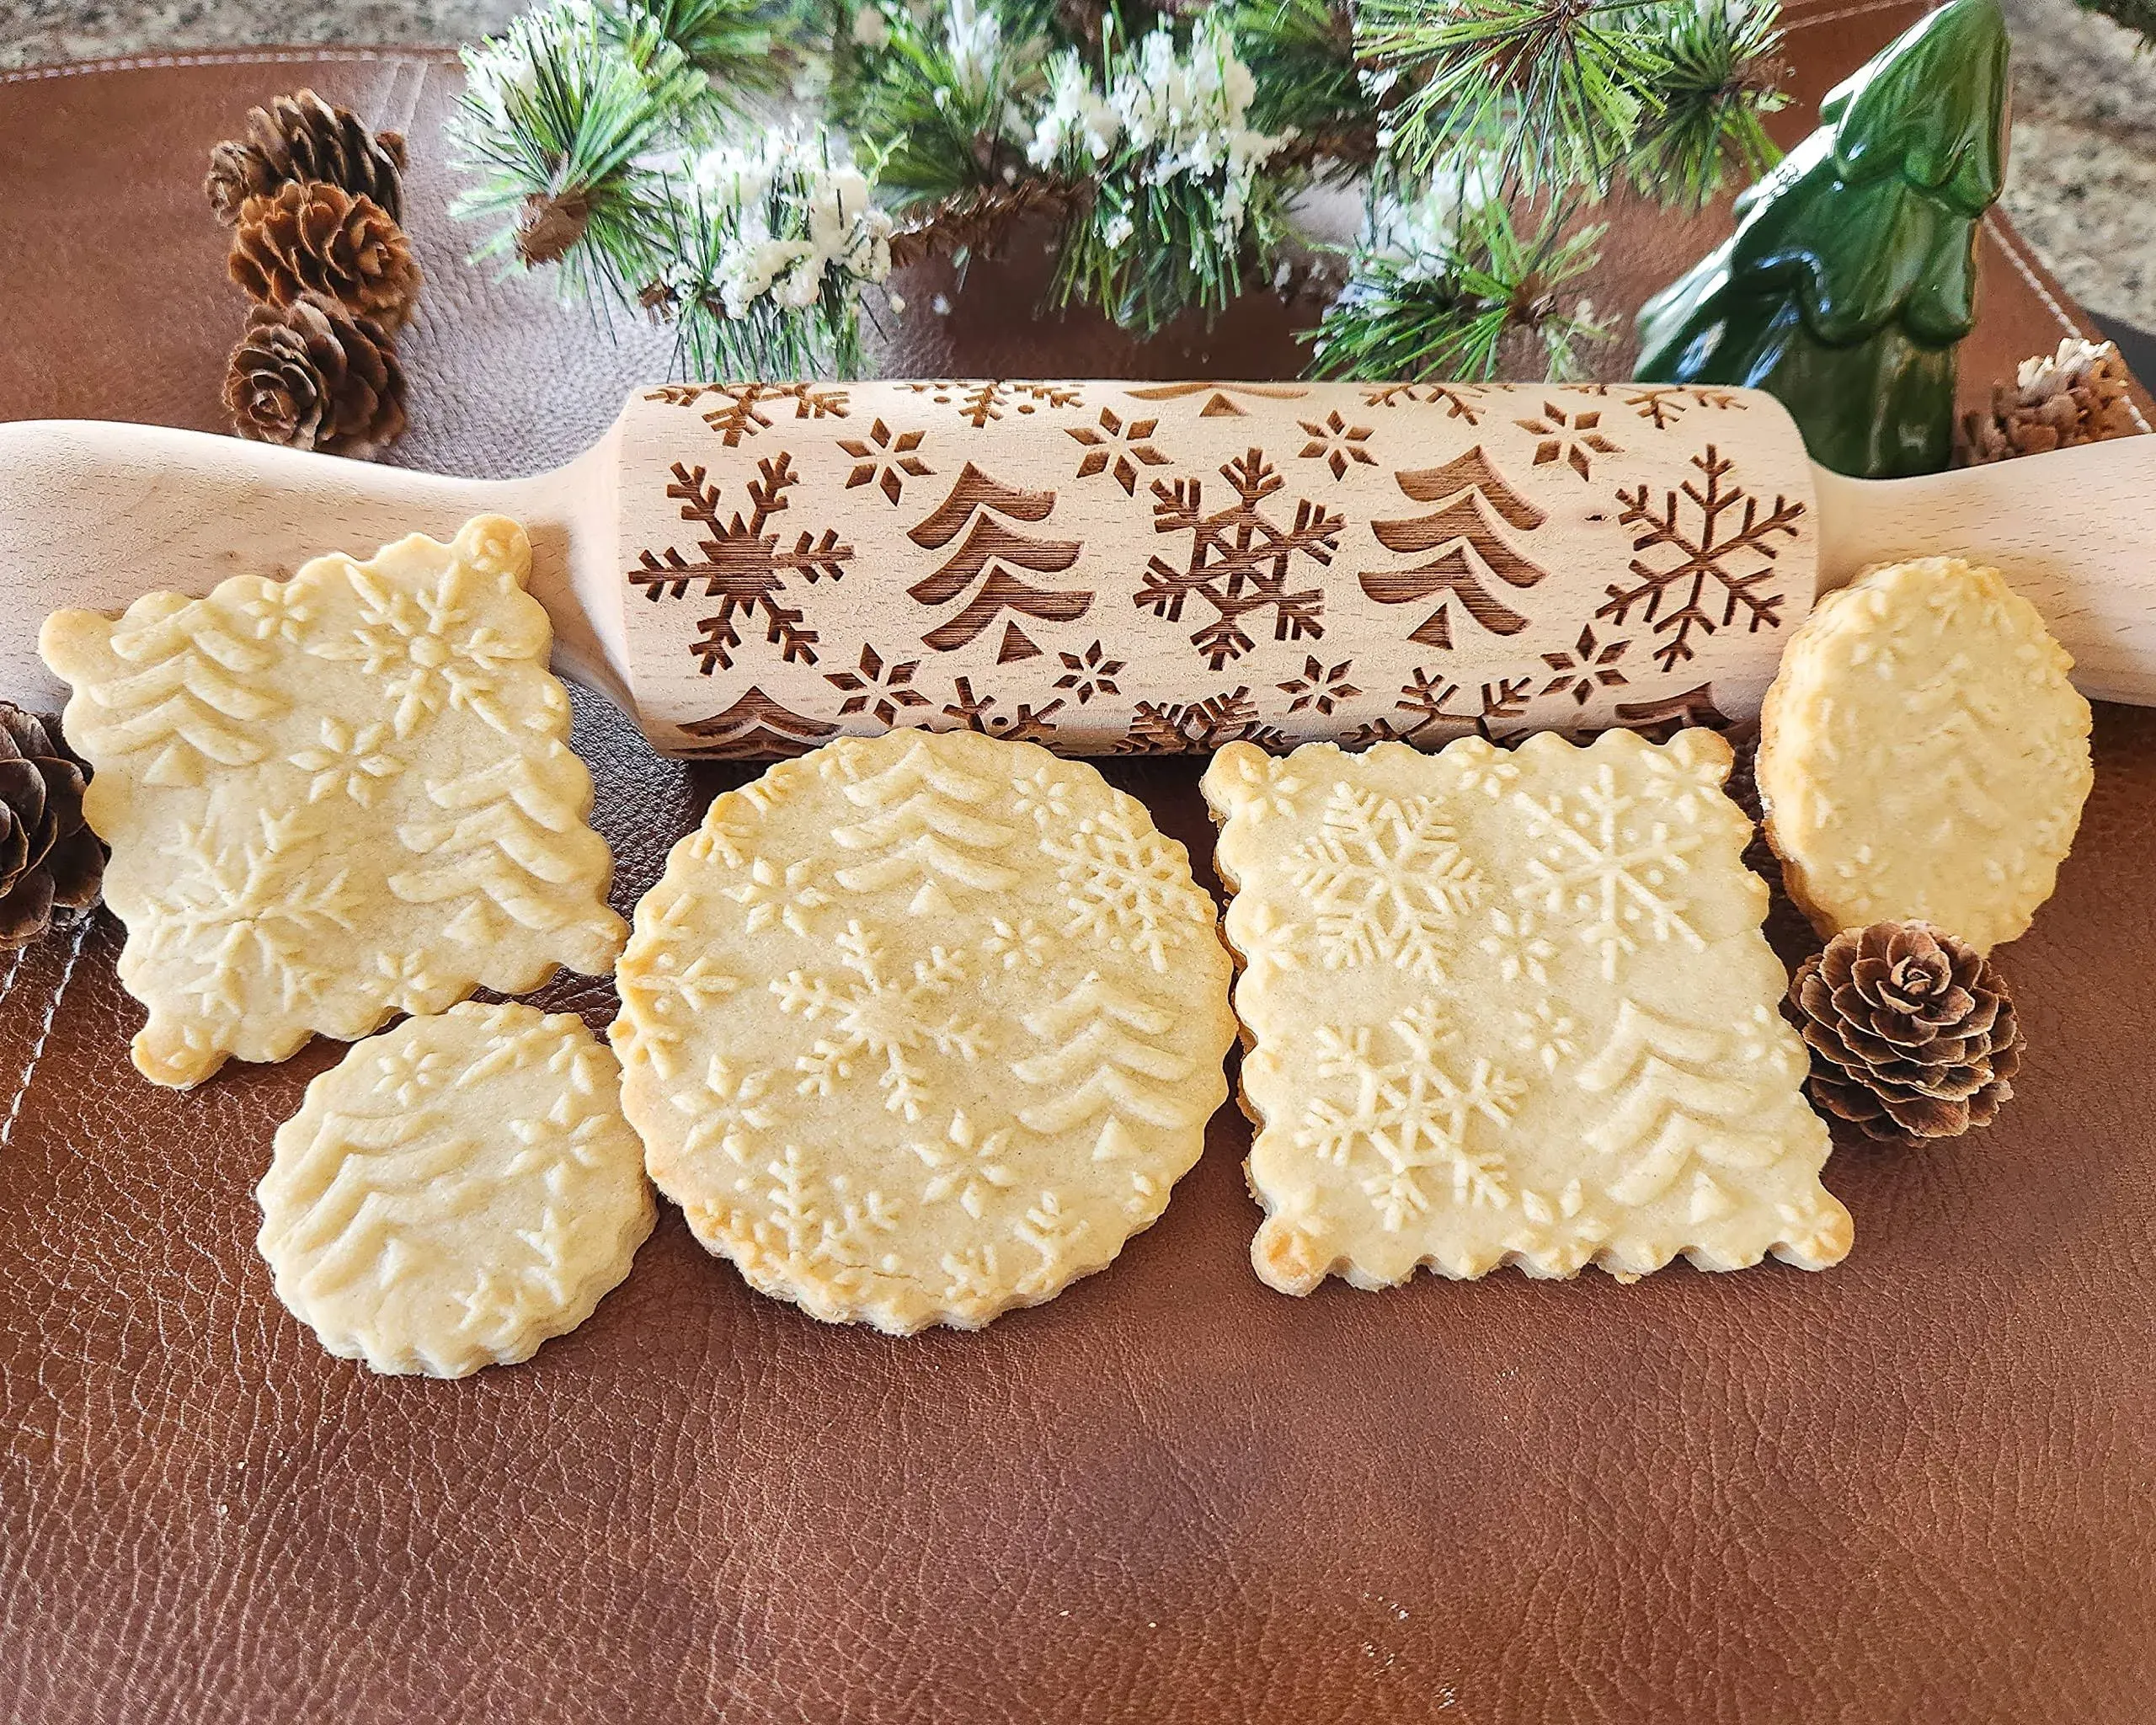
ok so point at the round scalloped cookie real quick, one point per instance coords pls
(923, 1027)
(1922, 755)
(453, 1192)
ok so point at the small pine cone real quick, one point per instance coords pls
(317, 238)
(2077, 395)
(49, 860)
(1910, 1031)
(302, 137)
(312, 375)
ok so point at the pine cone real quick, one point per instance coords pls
(1909, 1030)
(302, 137)
(318, 238)
(2077, 395)
(49, 859)
(312, 375)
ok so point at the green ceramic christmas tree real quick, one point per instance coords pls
(1852, 275)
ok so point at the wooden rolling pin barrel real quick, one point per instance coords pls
(1115, 566)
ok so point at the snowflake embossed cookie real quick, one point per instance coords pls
(454, 1192)
(334, 798)
(921, 1027)
(1511, 1008)
(1922, 756)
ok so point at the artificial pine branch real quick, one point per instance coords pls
(943, 99)
(1302, 55)
(1721, 66)
(979, 222)
(556, 117)
(1556, 88)
(1464, 304)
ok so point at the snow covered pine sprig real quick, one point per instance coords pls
(752, 170)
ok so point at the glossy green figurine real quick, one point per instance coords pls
(1852, 275)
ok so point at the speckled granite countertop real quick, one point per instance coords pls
(2083, 182)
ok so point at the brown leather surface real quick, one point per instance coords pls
(1919, 1485)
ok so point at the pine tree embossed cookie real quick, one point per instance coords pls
(334, 798)
(1921, 755)
(1511, 1008)
(454, 1192)
(923, 1027)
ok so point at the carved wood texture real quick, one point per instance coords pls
(1115, 567)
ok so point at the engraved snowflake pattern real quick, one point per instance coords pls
(350, 760)
(880, 1017)
(248, 908)
(1609, 857)
(1386, 880)
(1516, 941)
(967, 1166)
(1020, 945)
(1412, 1116)
(426, 648)
(774, 896)
(1125, 890)
(728, 1102)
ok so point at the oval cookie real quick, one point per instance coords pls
(921, 1027)
(1922, 756)
(454, 1192)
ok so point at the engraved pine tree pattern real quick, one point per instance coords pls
(1386, 881)
(920, 825)
(249, 913)
(1616, 860)
(988, 558)
(1687, 1097)
(1104, 1060)
(1124, 886)
(1412, 1131)
(1240, 563)
(880, 1015)
(508, 837)
(1722, 564)
(742, 565)
(191, 696)
(1466, 533)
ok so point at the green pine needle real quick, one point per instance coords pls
(942, 102)
(554, 118)
(1497, 292)
(1720, 64)
(1558, 87)
(1302, 53)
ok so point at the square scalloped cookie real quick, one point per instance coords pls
(334, 798)
(1511, 1008)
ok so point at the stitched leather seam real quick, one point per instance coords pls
(1846, 11)
(232, 56)
(45, 1030)
(14, 969)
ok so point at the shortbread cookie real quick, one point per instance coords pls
(334, 798)
(1923, 757)
(454, 1192)
(1511, 1008)
(921, 1027)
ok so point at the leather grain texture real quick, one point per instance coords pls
(1920, 1485)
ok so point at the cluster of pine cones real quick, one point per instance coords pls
(315, 201)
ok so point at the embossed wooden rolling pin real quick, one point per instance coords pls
(1106, 566)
